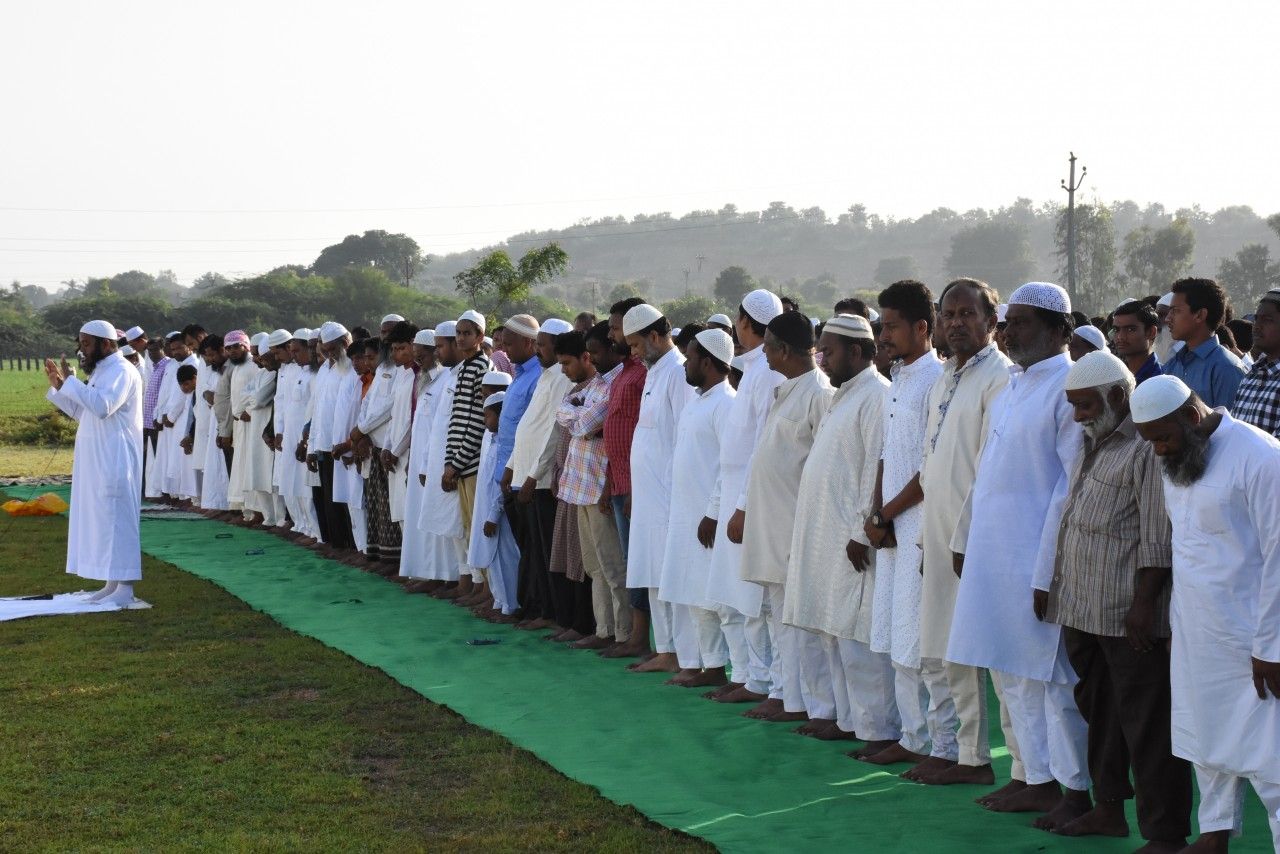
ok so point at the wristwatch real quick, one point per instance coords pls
(878, 521)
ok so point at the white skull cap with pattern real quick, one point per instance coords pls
(720, 319)
(126, 350)
(425, 337)
(501, 378)
(260, 341)
(640, 317)
(392, 318)
(554, 326)
(447, 329)
(762, 305)
(1158, 397)
(1097, 369)
(1093, 335)
(279, 337)
(332, 331)
(496, 397)
(303, 334)
(134, 333)
(850, 326)
(1044, 295)
(524, 325)
(99, 329)
(474, 316)
(716, 342)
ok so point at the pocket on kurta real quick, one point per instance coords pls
(1208, 514)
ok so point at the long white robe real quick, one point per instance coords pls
(895, 623)
(686, 564)
(666, 393)
(946, 475)
(213, 481)
(424, 554)
(103, 540)
(441, 513)
(295, 479)
(348, 480)
(279, 417)
(1226, 604)
(206, 380)
(535, 441)
(179, 471)
(398, 430)
(240, 376)
(824, 592)
(743, 423)
(168, 462)
(152, 472)
(258, 401)
(498, 553)
(1017, 502)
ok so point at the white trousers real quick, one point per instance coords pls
(744, 667)
(713, 648)
(927, 727)
(1052, 736)
(662, 618)
(359, 532)
(816, 686)
(1222, 802)
(684, 634)
(862, 684)
(791, 650)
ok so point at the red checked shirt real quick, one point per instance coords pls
(620, 424)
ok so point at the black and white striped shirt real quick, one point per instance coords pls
(466, 420)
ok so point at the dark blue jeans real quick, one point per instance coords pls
(639, 595)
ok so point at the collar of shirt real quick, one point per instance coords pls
(1203, 350)
(613, 372)
(901, 367)
(718, 385)
(527, 365)
(1016, 370)
(1264, 366)
(787, 386)
(750, 357)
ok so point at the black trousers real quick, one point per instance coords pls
(571, 601)
(1123, 695)
(533, 535)
(339, 520)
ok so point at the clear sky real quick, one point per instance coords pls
(236, 136)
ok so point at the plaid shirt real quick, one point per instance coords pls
(152, 393)
(585, 468)
(620, 424)
(1258, 397)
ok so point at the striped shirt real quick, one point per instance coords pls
(466, 420)
(152, 393)
(1114, 523)
(620, 423)
(1258, 397)
(583, 413)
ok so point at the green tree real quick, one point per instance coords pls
(732, 284)
(998, 253)
(1097, 289)
(1273, 222)
(1250, 274)
(208, 282)
(1156, 257)
(396, 255)
(891, 270)
(494, 281)
(149, 311)
(690, 309)
(623, 290)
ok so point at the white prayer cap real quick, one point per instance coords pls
(1044, 295)
(260, 341)
(303, 334)
(873, 315)
(640, 317)
(554, 326)
(474, 316)
(525, 325)
(716, 342)
(425, 337)
(332, 331)
(762, 305)
(133, 333)
(1124, 301)
(168, 337)
(392, 318)
(496, 397)
(675, 333)
(447, 329)
(488, 340)
(99, 329)
(1158, 397)
(279, 337)
(126, 350)
(501, 378)
(1002, 310)
(850, 326)
(313, 334)
(720, 319)
(1166, 301)
(1093, 335)
(1097, 369)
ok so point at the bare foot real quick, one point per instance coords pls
(567, 636)
(592, 642)
(927, 768)
(662, 663)
(871, 748)
(1072, 805)
(834, 733)
(741, 695)
(814, 726)
(766, 709)
(980, 774)
(626, 650)
(785, 717)
(1040, 798)
(536, 624)
(893, 754)
(1105, 819)
(1214, 842)
(702, 678)
(1003, 792)
(726, 688)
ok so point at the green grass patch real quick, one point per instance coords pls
(34, 461)
(22, 392)
(202, 724)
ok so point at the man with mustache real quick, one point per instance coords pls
(1110, 594)
(1220, 479)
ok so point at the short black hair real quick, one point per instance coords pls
(789, 303)
(687, 333)
(623, 306)
(599, 332)
(1056, 320)
(852, 305)
(1243, 330)
(912, 299)
(706, 354)
(793, 329)
(756, 326)
(1204, 294)
(572, 343)
(359, 333)
(210, 342)
(186, 373)
(662, 326)
(586, 315)
(402, 333)
(1145, 313)
(987, 295)
(191, 330)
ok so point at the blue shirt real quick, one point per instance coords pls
(1210, 370)
(519, 393)
(1150, 368)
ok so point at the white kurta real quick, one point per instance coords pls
(240, 376)
(824, 592)
(402, 390)
(258, 400)
(665, 395)
(180, 473)
(895, 621)
(213, 484)
(280, 415)
(501, 549)
(424, 554)
(946, 475)
(168, 452)
(441, 512)
(1226, 604)
(686, 564)
(206, 380)
(324, 397)
(773, 487)
(106, 472)
(535, 442)
(743, 423)
(348, 482)
(1017, 503)
(291, 418)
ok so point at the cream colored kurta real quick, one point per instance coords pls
(402, 392)
(295, 479)
(824, 592)
(773, 486)
(259, 402)
(953, 445)
(535, 441)
(241, 375)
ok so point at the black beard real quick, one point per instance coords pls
(239, 361)
(1189, 465)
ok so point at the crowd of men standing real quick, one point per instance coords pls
(847, 524)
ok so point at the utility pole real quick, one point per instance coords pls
(686, 281)
(1071, 185)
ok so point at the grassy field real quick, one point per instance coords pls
(33, 440)
(202, 724)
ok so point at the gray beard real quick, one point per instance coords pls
(1188, 467)
(1101, 427)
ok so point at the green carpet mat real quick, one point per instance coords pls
(687, 763)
